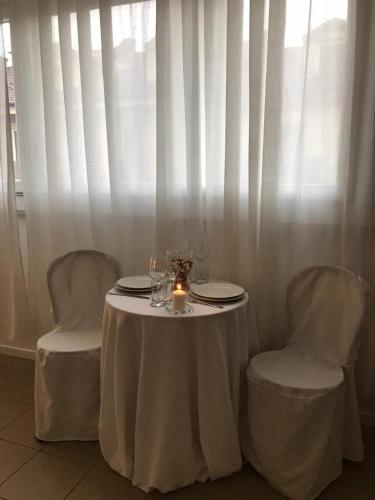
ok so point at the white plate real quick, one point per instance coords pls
(217, 291)
(216, 301)
(142, 282)
(133, 290)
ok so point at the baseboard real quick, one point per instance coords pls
(20, 352)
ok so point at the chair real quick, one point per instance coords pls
(302, 407)
(67, 367)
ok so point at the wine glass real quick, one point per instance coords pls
(157, 271)
(201, 254)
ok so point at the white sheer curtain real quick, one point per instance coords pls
(85, 90)
(16, 328)
(146, 124)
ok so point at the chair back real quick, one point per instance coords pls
(77, 283)
(326, 305)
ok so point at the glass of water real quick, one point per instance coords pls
(158, 273)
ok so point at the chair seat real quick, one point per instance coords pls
(75, 341)
(295, 370)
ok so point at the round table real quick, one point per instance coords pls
(173, 391)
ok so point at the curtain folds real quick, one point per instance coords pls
(145, 125)
(362, 154)
(16, 328)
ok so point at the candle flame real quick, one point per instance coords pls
(178, 286)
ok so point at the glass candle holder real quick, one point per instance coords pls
(179, 266)
(179, 302)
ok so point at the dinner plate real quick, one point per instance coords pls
(133, 290)
(139, 283)
(217, 291)
(216, 301)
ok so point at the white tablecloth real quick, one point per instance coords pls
(173, 391)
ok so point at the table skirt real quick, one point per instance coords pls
(174, 395)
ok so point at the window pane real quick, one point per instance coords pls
(11, 96)
(313, 96)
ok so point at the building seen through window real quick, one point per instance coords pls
(12, 98)
(313, 57)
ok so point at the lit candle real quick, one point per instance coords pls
(179, 298)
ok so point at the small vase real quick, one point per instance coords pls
(180, 264)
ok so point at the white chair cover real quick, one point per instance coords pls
(324, 302)
(67, 368)
(303, 412)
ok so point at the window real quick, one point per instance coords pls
(313, 97)
(310, 109)
(13, 115)
(12, 97)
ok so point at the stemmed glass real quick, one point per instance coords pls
(201, 254)
(157, 272)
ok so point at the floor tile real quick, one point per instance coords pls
(22, 431)
(20, 364)
(62, 469)
(102, 464)
(338, 490)
(44, 477)
(22, 391)
(12, 457)
(211, 490)
(249, 485)
(86, 452)
(10, 410)
(368, 434)
(105, 485)
(9, 377)
(361, 475)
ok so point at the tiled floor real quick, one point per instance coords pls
(33, 470)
